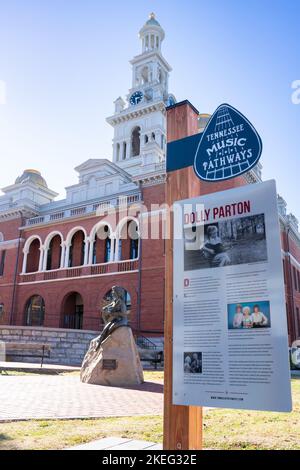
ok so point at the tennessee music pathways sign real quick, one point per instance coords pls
(229, 146)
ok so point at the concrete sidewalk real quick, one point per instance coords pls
(117, 443)
(64, 396)
(36, 367)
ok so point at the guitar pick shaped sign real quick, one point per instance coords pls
(229, 146)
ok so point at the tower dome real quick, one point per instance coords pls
(33, 176)
(151, 34)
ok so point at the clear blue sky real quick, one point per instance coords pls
(65, 62)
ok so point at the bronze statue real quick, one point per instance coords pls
(114, 314)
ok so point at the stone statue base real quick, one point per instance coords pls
(116, 362)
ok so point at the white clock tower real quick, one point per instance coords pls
(139, 123)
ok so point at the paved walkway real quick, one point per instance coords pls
(118, 443)
(51, 397)
(36, 367)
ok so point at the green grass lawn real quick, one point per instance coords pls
(223, 429)
(230, 429)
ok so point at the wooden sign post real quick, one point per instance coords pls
(182, 424)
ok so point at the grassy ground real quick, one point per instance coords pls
(223, 429)
(60, 434)
(228, 429)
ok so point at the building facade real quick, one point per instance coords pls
(59, 259)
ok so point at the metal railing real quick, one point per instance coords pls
(145, 343)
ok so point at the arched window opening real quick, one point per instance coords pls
(135, 142)
(129, 241)
(145, 75)
(2, 311)
(134, 249)
(76, 252)
(72, 311)
(124, 150)
(107, 250)
(102, 246)
(33, 257)
(146, 139)
(153, 136)
(2, 261)
(118, 152)
(152, 41)
(35, 311)
(54, 253)
(160, 75)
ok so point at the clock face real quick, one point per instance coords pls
(136, 97)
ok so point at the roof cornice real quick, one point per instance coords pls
(136, 112)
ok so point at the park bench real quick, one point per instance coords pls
(154, 357)
(148, 351)
(28, 350)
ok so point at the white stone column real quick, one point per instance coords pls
(92, 242)
(67, 254)
(86, 250)
(42, 257)
(128, 150)
(62, 255)
(24, 265)
(45, 259)
(112, 248)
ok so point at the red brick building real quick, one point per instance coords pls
(58, 259)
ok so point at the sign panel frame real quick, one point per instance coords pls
(230, 345)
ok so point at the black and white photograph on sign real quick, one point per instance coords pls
(192, 362)
(249, 315)
(231, 242)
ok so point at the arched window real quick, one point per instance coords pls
(33, 257)
(35, 311)
(124, 150)
(1, 310)
(118, 152)
(152, 41)
(54, 253)
(102, 245)
(107, 250)
(160, 75)
(129, 241)
(76, 253)
(134, 248)
(135, 142)
(145, 75)
(72, 311)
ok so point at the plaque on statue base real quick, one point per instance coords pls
(115, 362)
